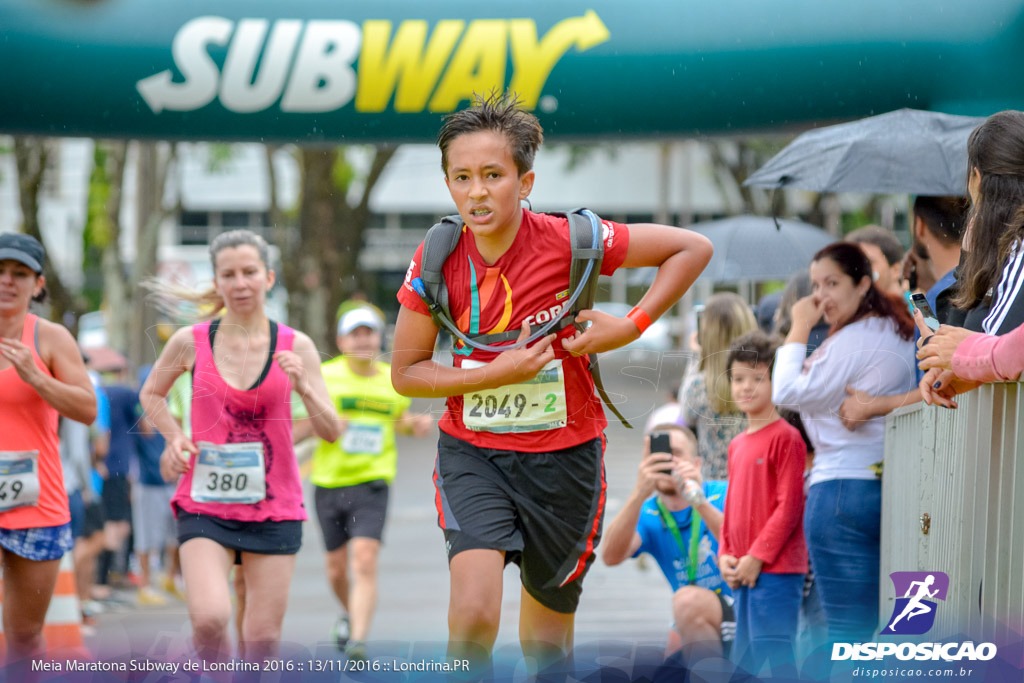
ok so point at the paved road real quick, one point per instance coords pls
(625, 603)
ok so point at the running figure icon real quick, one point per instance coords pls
(916, 607)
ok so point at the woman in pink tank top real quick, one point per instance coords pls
(41, 376)
(239, 496)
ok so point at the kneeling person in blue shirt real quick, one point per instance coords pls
(680, 530)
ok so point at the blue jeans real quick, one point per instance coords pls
(842, 523)
(812, 629)
(766, 619)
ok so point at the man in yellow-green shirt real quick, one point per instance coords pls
(352, 475)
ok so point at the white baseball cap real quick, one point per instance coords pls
(359, 317)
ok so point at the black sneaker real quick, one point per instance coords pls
(355, 651)
(340, 632)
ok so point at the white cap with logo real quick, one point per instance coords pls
(359, 317)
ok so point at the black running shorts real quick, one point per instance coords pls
(349, 511)
(544, 510)
(261, 538)
(117, 503)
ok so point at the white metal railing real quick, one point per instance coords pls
(953, 501)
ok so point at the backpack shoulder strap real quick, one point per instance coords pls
(438, 245)
(444, 236)
(581, 240)
(581, 236)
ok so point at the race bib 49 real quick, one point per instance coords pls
(19, 479)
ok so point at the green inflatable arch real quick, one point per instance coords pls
(320, 70)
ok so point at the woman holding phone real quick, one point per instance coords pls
(239, 496)
(958, 360)
(990, 284)
(995, 182)
(869, 348)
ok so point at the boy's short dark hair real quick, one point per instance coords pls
(942, 217)
(881, 238)
(753, 348)
(500, 113)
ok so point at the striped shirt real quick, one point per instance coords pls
(1007, 310)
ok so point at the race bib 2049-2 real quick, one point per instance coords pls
(532, 406)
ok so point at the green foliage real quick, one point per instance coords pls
(97, 231)
(292, 213)
(97, 221)
(6, 147)
(218, 156)
(342, 173)
(851, 220)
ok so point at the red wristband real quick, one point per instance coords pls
(639, 318)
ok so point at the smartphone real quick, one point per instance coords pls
(921, 304)
(698, 312)
(660, 444)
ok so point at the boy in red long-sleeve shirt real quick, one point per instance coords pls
(763, 555)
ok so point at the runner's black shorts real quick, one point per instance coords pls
(261, 538)
(544, 510)
(93, 520)
(349, 511)
(86, 518)
(117, 502)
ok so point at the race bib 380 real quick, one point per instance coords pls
(229, 473)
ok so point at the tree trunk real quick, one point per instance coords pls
(318, 253)
(115, 289)
(320, 258)
(354, 219)
(144, 345)
(734, 171)
(31, 155)
(285, 238)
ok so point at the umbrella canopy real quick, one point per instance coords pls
(906, 151)
(749, 248)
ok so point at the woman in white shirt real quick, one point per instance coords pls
(869, 348)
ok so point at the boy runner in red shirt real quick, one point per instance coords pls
(526, 484)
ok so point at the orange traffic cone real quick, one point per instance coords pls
(62, 629)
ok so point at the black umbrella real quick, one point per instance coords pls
(903, 152)
(748, 249)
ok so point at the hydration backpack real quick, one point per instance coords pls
(584, 271)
